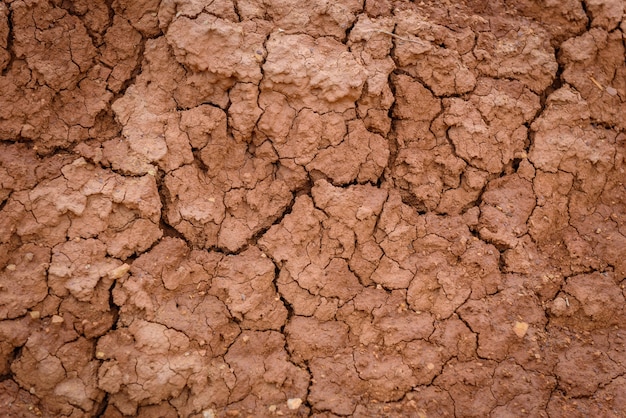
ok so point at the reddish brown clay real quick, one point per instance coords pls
(246, 208)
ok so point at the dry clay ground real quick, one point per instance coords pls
(322, 208)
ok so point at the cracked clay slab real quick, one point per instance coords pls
(275, 208)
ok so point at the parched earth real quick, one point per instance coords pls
(256, 208)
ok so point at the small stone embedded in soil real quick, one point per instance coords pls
(294, 403)
(520, 329)
(349, 208)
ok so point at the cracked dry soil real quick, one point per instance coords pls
(256, 208)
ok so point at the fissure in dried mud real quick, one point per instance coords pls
(257, 208)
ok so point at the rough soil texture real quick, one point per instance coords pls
(250, 208)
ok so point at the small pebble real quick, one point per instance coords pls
(294, 403)
(56, 319)
(611, 91)
(520, 329)
(11, 267)
(119, 272)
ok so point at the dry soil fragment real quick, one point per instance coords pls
(169, 285)
(141, 14)
(488, 130)
(23, 280)
(244, 283)
(121, 52)
(147, 363)
(228, 209)
(316, 18)
(564, 138)
(320, 74)
(361, 157)
(450, 266)
(595, 301)
(433, 53)
(506, 206)
(313, 248)
(263, 371)
(4, 36)
(58, 366)
(592, 64)
(208, 43)
(519, 51)
(520, 391)
(586, 366)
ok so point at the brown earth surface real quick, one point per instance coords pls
(257, 208)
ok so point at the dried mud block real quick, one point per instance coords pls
(592, 66)
(16, 169)
(411, 125)
(13, 333)
(171, 9)
(469, 384)
(495, 320)
(562, 19)
(79, 270)
(489, 129)
(361, 157)
(264, 374)
(23, 280)
(312, 246)
(229, 50)
(244, 283)
(520, 391)
(151, 127)
(507, 203)
(39, 27)
(564, 139)
(426, 167)
(373, 48)
(442, 265)
(422, 401)
(589, 301)
(608, 400)
(320, 74)
(141, 14)
(5, 56)
(56, 365)
(435, 54)
(308, 338)
(243, 112)
(86, 202)
(121, 52)
(18, 402)
(584, 189)
(317, 18)
(517, 51)
(81, 273)
(227, 210)
(606, 14)
(54, 63)
(169, 285)
(341, 384)
(587, 365)
(147, 363)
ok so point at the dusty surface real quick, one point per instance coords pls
(283, 208)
